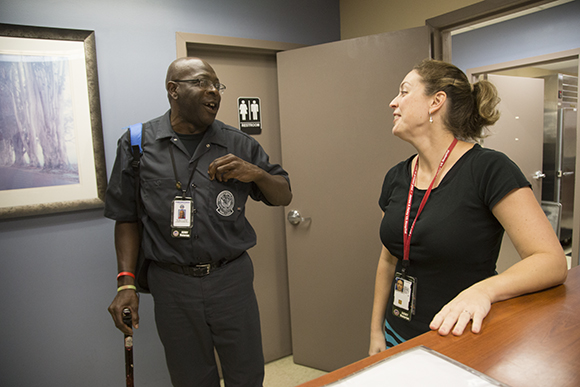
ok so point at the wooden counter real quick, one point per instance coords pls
(531, 340)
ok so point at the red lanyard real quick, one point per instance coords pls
(406, 231)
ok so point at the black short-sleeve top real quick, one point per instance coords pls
(456, 239)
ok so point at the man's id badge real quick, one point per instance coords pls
(404, 291)
(181, 217)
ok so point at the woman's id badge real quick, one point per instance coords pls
(181, 217)
(404, 296)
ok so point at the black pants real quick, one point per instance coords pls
(196, 314)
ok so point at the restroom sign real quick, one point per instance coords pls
(250, 115)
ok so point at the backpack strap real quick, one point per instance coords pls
(137, 150)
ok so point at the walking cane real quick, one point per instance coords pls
(128, 348)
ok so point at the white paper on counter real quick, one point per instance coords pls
(418, 367)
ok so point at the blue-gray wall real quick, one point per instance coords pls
(545, 32)
(57, 273)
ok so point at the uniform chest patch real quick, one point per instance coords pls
(225, 203)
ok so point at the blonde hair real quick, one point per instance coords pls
(470, 108)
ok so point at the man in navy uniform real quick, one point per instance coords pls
(200, 276)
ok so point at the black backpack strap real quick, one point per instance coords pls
(136, 131)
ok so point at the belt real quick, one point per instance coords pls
(198, 269)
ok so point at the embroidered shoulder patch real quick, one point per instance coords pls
(225, 203)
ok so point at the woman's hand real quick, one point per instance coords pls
(543, 265)
(378, 343)
(383, 284)
(471, 304)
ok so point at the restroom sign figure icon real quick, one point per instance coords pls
(250, 115)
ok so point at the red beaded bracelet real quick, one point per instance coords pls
(125, 273)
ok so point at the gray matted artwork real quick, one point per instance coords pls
(51, 146)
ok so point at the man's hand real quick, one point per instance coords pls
(125, 299)
(274, 187)
(232, 167)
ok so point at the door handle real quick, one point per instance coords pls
(538, 175)
(295, 218)
(562, 174)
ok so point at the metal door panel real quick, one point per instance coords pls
(519, 134)
(567, 180)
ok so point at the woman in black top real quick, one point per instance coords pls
(445, 211)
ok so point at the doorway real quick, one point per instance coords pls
(248, 68)
(488, 13)
(559, 73)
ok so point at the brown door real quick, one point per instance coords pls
(337, 146)
(519, 133)
(248, 69)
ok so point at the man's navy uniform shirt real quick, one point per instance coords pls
(219, 230)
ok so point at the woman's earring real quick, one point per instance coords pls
(430, 118)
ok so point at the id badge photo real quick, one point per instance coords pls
(404, 296)
(181, 217)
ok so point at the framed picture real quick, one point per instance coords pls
(51, 139)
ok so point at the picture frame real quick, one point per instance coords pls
(51, 140)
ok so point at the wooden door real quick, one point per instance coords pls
(337, 146)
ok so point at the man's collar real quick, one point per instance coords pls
(164, 129)
(213, 133)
